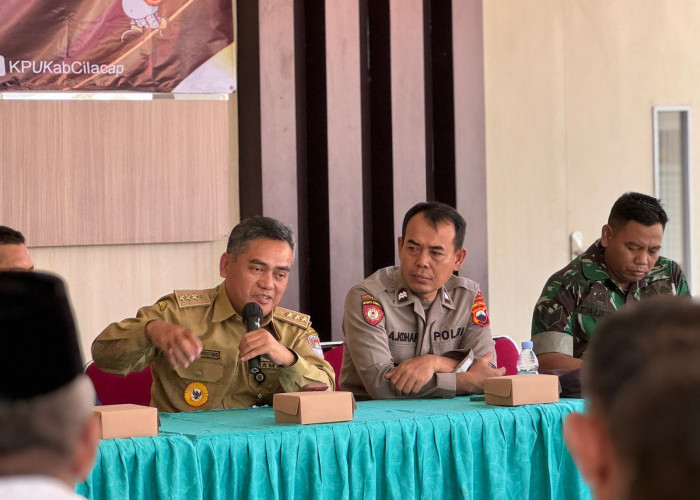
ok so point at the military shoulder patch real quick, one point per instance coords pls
(315, 344)
(293, 317)
(479, 314)
(371, 310)
(192, 298)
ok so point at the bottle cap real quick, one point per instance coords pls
(527, 344)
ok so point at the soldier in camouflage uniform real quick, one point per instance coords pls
(196, 341)
(417, 330)
(623, 266)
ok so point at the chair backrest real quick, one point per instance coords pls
(507, 353)
(335, 358)
(113, 389)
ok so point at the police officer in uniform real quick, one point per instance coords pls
(196, 340)
(417, 330)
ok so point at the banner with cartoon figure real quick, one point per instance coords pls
(182, 46)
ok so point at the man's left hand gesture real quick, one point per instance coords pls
(259, 342)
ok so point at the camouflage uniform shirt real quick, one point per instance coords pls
(576, 298)
(217, 379)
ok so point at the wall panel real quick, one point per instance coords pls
(114, 172)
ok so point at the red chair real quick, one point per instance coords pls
(335, 358)
(114, 389)
(506, 354)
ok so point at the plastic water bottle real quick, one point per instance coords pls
(527, 363)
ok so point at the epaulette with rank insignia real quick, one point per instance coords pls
(192, 298)
(293, 317)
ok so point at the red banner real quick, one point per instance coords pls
(91, 45)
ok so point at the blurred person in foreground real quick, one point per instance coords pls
(14, 254)
(417, 330)
(638, 439)
(196, 341)
(48, 433)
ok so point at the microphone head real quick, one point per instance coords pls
(252, 310)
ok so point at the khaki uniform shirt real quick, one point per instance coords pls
(217, 379)
(385, 324)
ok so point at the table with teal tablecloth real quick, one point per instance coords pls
(407, 449)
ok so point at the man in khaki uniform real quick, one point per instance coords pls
(417, 330)
(196, 340)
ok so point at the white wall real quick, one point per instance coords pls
(570, 87)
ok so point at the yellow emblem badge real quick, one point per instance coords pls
(196, 394)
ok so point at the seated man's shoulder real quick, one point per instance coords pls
(295, 318)
(665, 268)
(666, 277)
(461, 283)
(386, 276)
(569, 277)
(191, 298)
(383, 280)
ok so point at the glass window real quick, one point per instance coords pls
(672, 183)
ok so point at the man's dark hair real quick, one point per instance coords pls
(638, 207)
(258, 227)
(9, 236)
(435, 212)
(642, 376)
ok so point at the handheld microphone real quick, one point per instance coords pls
(252, 313)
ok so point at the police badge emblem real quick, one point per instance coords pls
(371, 310)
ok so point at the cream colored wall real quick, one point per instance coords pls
(110, 282)
(570, 86)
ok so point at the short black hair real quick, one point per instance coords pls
(638, 207)
(9, 236)
(258, 227)
(435, 212)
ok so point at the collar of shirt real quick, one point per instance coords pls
(223, 309)
(403, 295)
(593, 266)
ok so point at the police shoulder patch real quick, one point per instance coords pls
(371, 310)
(192, 298)
(293, 317)
(479, 314)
